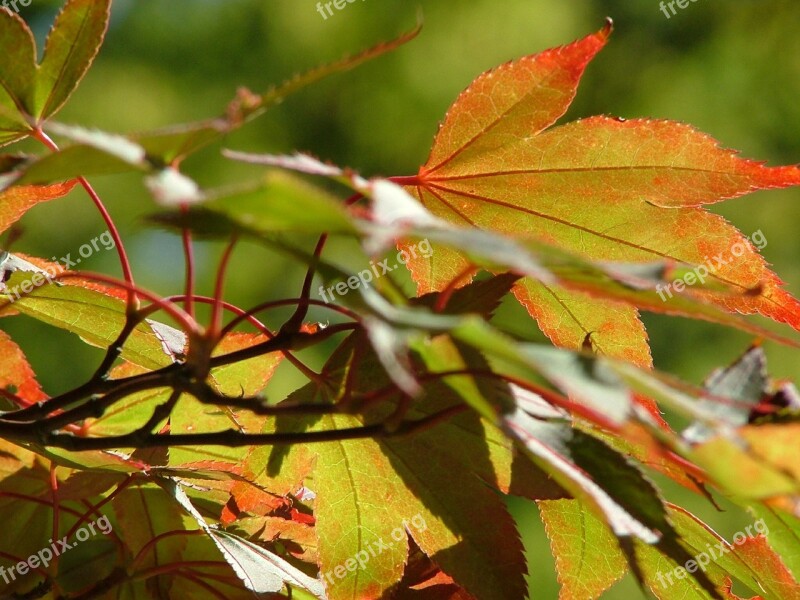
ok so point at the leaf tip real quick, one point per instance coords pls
(420, 20)
(607, 29)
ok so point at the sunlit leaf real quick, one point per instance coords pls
(784, 534)
(16, 375)
(71, 46)
(576, 537)
(17, 75)
(422, 475)
(620, 286)
(16, 201)
(604, 188)
(93, 312)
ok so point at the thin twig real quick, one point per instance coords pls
(133, 302)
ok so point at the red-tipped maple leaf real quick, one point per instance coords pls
(16, 375)
(605, 188)
(16, 201)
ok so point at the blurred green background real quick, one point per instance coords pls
(729, 67)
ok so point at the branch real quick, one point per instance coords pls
(234, 438)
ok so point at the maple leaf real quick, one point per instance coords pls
(574, 532)
(369, 490)
(763, 560)
(784, 528)
(151, 345)
(38, 91)
(16, 201)
(603, 188)
(16, 375)
(585, 573)
(25, 497)
(144, 512)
